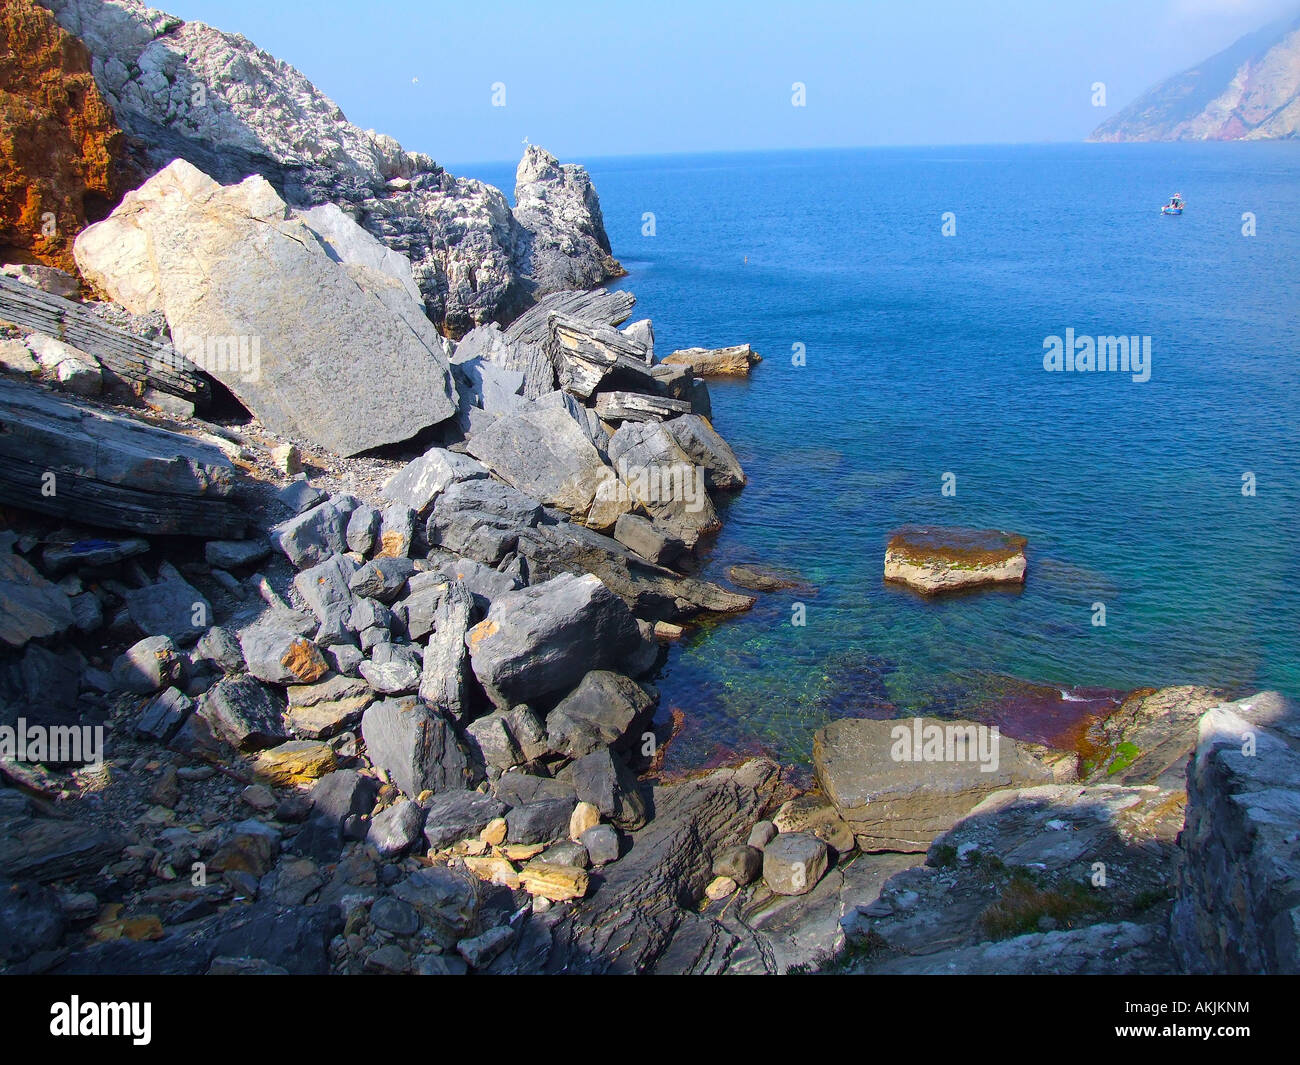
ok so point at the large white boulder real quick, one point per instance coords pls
(307, 320)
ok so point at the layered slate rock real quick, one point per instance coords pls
(898, 784)
(111, 470)
(642, 919)
(1239, 866)
(933, 559)
(526, 345)
(734, 361)
(546, 637)
(444, 682)
(338, 354)
(654, 592)
(415, 745)
(588, 356)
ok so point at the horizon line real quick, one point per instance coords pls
(454, 165)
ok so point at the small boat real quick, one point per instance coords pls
(1175, 204)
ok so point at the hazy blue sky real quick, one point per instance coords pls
(588, 79)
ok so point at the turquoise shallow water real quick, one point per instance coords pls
(924, 356)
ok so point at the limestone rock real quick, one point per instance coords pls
(396, 829)
(557, 206)
(793, 863)
(606, 782)
(295, 762)
(558, 883)
(652, 592)
(184, 89)
(443, 683)
(311, 338)
(279, 656)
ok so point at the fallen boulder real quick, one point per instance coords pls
(338, 354)
(662, 479)
(541, 450)
(546, 637)
(415, 746)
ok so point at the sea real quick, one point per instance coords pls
(903, 301)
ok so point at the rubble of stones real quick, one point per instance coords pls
(406, 717)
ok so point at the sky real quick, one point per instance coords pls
(597, 79)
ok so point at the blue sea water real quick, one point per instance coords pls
(924, 356)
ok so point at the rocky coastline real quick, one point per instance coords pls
(345, 522)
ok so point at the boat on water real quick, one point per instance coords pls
(1175, 204)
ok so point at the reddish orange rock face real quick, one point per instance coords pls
(58, 142)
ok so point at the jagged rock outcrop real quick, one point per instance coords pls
(186, 90)
(319, 339)
(566, 246)
(1249, 91)
(58, 140)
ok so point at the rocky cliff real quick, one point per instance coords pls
(1250, 91)
(186, 90)
(57, 138)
